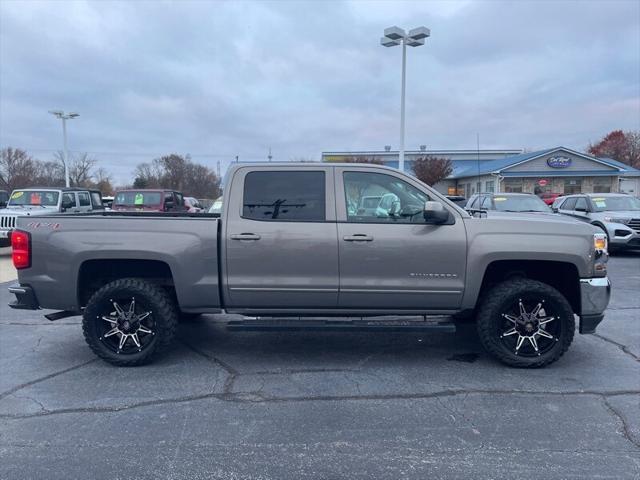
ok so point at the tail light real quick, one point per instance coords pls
(21, 245)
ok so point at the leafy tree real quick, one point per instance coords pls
(618, 145)
(432, 170)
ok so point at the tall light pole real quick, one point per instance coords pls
(64, 117)
(394, 36)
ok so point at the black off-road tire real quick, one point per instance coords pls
(165, 318)
(498, 299)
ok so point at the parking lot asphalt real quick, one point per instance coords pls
(251, 405)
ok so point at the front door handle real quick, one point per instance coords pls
(245, 236)
(358, 237)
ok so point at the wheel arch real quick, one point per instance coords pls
(95, 273)
(563, 276)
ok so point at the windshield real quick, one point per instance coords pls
(601, 204)
(42, 198)
(520, 203)
(140, 199)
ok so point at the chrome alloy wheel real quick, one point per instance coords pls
(128, 329)
(530, 333)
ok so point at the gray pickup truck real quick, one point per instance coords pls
(293, 240)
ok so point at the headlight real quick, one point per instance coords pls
(617, 220)
(601, 256)
(600, 242)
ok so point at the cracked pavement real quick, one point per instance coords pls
(257, 405)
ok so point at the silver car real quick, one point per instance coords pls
(618, 214)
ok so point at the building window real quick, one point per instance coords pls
(478, 187)
(489, 186)
(572, 185)
(513, 185)
(602, 185)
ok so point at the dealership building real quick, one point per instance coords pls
(554, 170)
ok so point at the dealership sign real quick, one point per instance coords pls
(559, 162)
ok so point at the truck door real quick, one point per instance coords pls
(69, 198)
(390, 258)
(280, 239)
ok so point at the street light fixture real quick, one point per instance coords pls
(64, 117)
(394, 36)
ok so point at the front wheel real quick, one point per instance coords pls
(525, 323)
(129, 321)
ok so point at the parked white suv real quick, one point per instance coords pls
(618, 214)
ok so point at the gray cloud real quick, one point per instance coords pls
(220, 79)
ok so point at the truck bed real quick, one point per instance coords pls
(68, 248)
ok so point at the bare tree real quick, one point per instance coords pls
(50, 174)
(17, 168)
(80, 168)
(103, 181)
(432, 170)
(179, 173)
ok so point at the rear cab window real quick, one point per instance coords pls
(284, 196)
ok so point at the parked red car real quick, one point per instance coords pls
(151, 200)
(549, 198)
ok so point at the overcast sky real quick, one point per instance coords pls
(219, 79)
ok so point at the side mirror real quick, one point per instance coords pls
(554, 209)
(434, 212)
(66, 204)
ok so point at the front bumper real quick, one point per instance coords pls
(594, 298)
(25, 298)
(623, 236)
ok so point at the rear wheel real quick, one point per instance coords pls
(129, 321)
(525, 323)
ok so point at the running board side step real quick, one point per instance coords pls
(355, 324)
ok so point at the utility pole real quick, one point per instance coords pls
(65, 153)
(394, 36)
(269, 156)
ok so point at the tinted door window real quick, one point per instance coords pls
(179, 201)
(96, 199)
(83, 198)
(399, 201)
(486, 203)
(581, 203)
(569, 204)
(69, 197)
(284, 196)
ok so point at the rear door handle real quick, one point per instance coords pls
(358, 237)
(245, 236)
